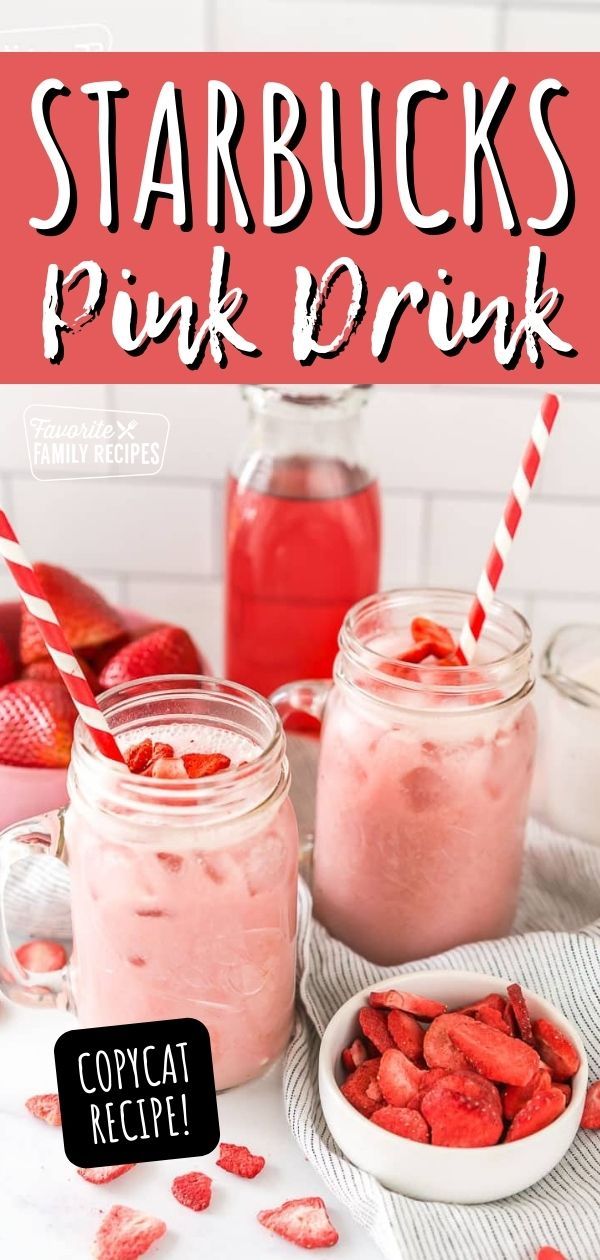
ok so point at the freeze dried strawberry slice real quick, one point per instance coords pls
(591, 1112)
(355, 1087)
(168, 768)
(495, 1000)
(162, 750)
(414, 655)
(515, 1096)
(471, 1085)
(556, 1049)
(456, 1120)
(100, 1176)
(201, 765)
(537, 1114)
(521, 1013)
(437, 637)
(549, 1253)
(439, 1050)
(396, 999)
(354, 1055)
(41, 956)
(138, 758)
(495, 1055)
(398, 1078)
(239, 1160)
(45, 1107)
(301, 1221)
(373, 1091)
(564, 1089)
(490, 1016)
(125, 1234)
(193, 1190)
(373, 1026)
(402, 1121)
(406, 1033)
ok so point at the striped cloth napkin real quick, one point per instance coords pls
(556, 952)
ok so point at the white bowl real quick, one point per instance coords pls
(437, 1173)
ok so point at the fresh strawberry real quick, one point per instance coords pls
(394, 999)
(355, 1087)
(45, 1107)
(239, 1160)
(125, 1234)
(36, 724)
(516, 1096)
(456, 1120)
(193, 1190)
(85, 616)
(439, 1050)
(493, 1054)
(591, 1112)
(167, 650)
(101, 1176)
(41, 956)
(555, 1049)
(402, 1121)
(8, 668)
(201, 765)
(373, 1026)
(521, 1013)
(354, 1055)
(46, 671)
(301, 1221)
(399, 1078)
(406, 1033)
(537, 1114)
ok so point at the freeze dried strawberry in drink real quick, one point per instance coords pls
(398, 1078)
(304, 1222)
(456, 1120)
(403, 1121)
(438, 638)
(495, 1055)
(40, 956)
(201, 765)
(537, 1114)
(373, 1026)
(556, 1049)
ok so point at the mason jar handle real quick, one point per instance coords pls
(36, 837)
(307, 695)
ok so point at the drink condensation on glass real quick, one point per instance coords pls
(424, 779)
(184, 891)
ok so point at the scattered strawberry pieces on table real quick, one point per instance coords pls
(45, 1107)
(239, 1160)
(41, 956)
(36, 724)
(167, 650)
(193, 1190)
(85, 616)
(591, 1111)
(101, 1176)
(125, 1234)
(304, 1222)
(472, 1076)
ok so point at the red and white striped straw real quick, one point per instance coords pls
(33, 595)
(507, 527)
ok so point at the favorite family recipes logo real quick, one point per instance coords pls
(341, 217)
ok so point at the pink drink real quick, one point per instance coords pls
(186, 909)
(422, 800)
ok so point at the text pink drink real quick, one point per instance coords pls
(184, 890)
(424, 781)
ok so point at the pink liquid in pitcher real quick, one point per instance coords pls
(420, 822)
(300, 551)
(198, 920)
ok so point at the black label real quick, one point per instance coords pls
(136, 1092)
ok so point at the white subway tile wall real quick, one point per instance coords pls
(445, 456)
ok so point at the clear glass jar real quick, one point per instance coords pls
(424, 779)
(567, 779)
(183, 892)
(303, 533)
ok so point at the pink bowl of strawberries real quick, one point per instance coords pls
(465, 1089)
(37, 717)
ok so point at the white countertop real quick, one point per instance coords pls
(47, 1211)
